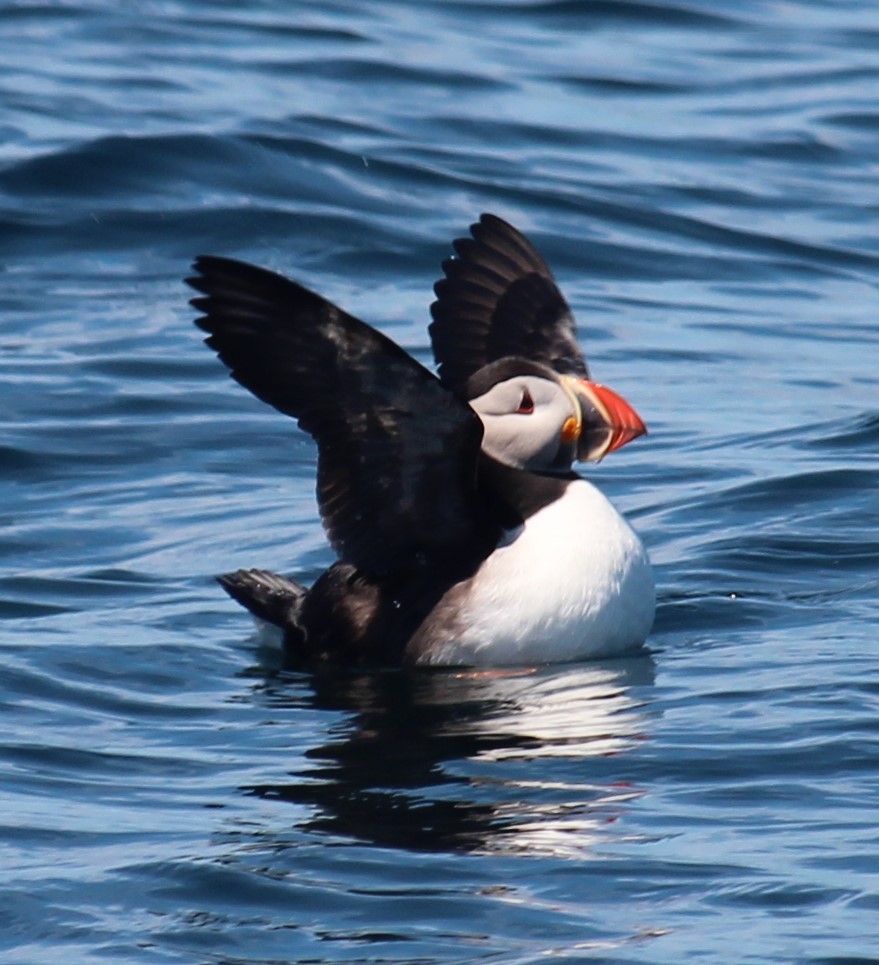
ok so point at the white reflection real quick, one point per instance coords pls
(572, 717)
(586, 711)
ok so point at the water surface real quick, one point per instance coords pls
(702, 177)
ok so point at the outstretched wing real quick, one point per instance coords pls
(397, 451)
(499, 299)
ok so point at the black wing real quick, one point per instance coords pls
(499, 299)
(397, 451)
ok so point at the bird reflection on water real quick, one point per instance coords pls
(471, 761)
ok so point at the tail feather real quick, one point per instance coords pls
(268, 596)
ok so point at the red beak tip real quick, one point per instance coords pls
(626, 424)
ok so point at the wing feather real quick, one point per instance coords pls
(397, 452)
(498, 299)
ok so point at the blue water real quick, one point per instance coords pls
(703, 178)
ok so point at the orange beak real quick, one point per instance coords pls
(607, 421)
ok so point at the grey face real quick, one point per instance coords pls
(527, 422)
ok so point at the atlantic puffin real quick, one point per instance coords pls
(463, 535)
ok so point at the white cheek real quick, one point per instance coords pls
(522, 440)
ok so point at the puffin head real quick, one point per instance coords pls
(536, 419)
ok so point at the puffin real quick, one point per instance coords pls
(464, 535)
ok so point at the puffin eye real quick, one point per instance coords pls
(526, 405)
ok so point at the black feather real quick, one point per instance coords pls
(498, 300)
(398, 452)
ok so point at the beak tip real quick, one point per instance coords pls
(621, 421)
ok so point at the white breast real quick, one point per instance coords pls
(574, 582)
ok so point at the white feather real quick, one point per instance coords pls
(574, 582)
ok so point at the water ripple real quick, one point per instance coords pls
(701, 177)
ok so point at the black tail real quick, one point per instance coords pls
(268, 596)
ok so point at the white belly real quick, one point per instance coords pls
(573, 583)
